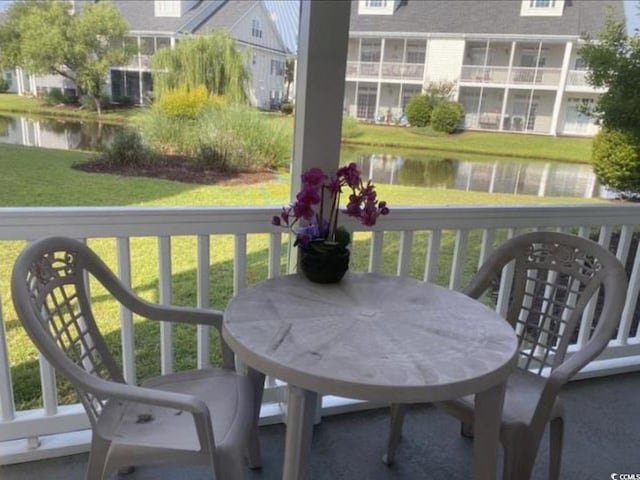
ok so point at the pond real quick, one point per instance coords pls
(391, 166)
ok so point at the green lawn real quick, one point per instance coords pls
(38, 177)
(568, 149)
(12, 103)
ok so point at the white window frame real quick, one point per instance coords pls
(542, 8)
(256, 28)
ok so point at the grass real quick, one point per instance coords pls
(566, 149)
(13, 103)
(490, 144)
(38, 177)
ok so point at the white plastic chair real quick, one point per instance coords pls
(201, 416)
(555, 276)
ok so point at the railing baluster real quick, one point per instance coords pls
(239, 262)
(49, 389)
(506, 280)
(7, 403)
(624, 243)
(459, 256)
(275, 243)
(126, 318)
(488, 236)
(203, 301)
(433, 252)
(166, 330)
(375, 256)
(631, 301)
(404, 254)
(587, 316)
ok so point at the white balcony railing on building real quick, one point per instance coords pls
(577, 78)
(419, 240)
(537, 76)
(386, 70)
(519, 75)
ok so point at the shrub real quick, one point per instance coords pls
(286, 108)
(54, 96)
(89, 103)
(123, 100)
(170, 135)
(350, 127)
(616, 160)
(126, 149)
(4, 85)
(419, 110)
(446, 116)
(183, 102)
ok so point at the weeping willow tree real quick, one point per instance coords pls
(212, 60)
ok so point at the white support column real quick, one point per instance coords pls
(320, 87)
(379, 89)
(505, 98)
(426, 56)
(564, 74)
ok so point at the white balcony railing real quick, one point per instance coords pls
(386, 70)
(577, 78)
(418, 241)
(519, 75)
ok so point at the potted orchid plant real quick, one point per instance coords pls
(313, 218)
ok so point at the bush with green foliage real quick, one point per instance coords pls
(350, 127)
(89, 103)
(183, 102)
(419, 109)
(616, 160)
(55, 96)
(4, 85)
(126, 149)
(233, 138)
(123, 100)
(286, 108)
(447, 116)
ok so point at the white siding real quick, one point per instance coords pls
(263, 50)
(444, 59)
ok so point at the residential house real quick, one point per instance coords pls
(162, 23)
(515, 64)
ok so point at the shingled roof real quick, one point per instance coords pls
(486, 17)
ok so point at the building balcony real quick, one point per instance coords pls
(501, 75)
(60, 429)
(385, 70)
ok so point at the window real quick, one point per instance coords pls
(277, 67)
(162, 42)
(580, 64)
(370, 51)
(256, 28)
(8, 76)
(146, 46)
(375, 3)
(542, 3)
(253, 59)
(415, 52)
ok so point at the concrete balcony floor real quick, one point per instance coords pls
(602, 436)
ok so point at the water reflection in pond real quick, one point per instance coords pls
(55, 133)
(517, 176)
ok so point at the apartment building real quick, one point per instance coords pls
(515, 64)
(157, 24)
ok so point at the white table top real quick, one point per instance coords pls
(371, 336)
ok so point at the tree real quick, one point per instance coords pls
(46, 37)
(614, 64)
(212, 60)
(289, 72)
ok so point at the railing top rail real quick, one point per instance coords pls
(36, 222)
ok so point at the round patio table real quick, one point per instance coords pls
(378, 338)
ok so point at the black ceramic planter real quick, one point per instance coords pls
(325, 267)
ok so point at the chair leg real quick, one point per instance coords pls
(466, 429)
(228, 466)
(398, 412)
(96, 470)
(254, 455)
(556, 432)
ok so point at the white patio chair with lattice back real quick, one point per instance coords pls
(200, 416)
(555, 276)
